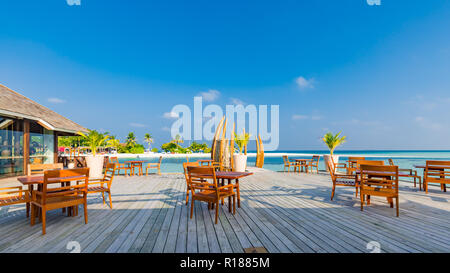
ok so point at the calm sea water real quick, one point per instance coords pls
(274, 161)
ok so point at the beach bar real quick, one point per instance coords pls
(29, 133)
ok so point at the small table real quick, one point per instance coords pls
(135, 164)
(233, 176)
(303, 162)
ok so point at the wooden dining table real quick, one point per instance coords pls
(303, 162)
(38, 180)
(232, 176)
(136, 164)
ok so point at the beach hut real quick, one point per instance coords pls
(29, 133)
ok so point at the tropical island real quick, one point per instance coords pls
(112, 144)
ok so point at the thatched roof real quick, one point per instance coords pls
(16, 105)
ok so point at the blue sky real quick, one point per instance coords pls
(381, 74)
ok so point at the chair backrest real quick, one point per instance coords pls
(189, 164)
(204, 162)
(114, 159)
(352, 160)
(369, 162)
(315, 159)
(56, 177)
(198, 177)
(41, 168)
(285, 159)
(108, 176)
(391, 162)
(377, 176)
(437, 170)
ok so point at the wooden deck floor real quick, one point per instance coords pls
(279, 211)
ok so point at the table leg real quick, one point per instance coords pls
(238, 193)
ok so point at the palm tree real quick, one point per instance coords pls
(149, 139)
(333, 141)
(94, 140)
(177, 140)
(113, 142)
(131, 139)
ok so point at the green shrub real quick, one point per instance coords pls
(155, 150)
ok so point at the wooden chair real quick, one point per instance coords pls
(201, 190)
(56, 197)
(15, 195)
(154, 166)
(408, 173)
(288, 164)
(346, 180)
(103, 185)
(379, 181)
(120, 166)
(351, 163)
(41, 168)
(314, 163)
(186, 176)
(436, 172)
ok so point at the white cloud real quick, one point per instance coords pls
(171, 115)
(210, 95)
(303, 117)
(236, 101)
(304, 83)
(428, 124)
(166, 129)
(299, 117)
(139, 125)
(56, 100)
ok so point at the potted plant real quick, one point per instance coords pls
(240, 160)
(94, 162)
(332, 142)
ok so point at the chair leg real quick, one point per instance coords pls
(332, 192)
(356, 191)
(420, 183)
(217, 211)
(33, 215)
(159, 170)
(43, 220)
(234, 204)
(85, 211)
(362, 201)
(396, 205)
(110, 201)
(229, 203)
(425, 186)
(187, 198)
(28, 209)
(192, 207)
(103, 197)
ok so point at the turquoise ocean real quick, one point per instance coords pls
(274, 161)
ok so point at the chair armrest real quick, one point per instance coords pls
(19, 188)
(231, 186)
